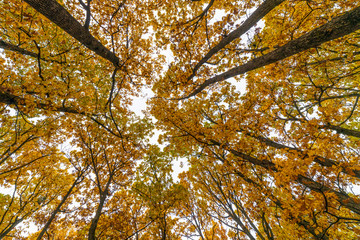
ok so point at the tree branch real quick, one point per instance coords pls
(259, 13)
(57, 14)
(336, 28)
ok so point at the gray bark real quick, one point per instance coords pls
(256, 16)
(62, 18)
(336, 28)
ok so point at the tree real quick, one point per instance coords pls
(277, 161)
(155, 187)
(288, 138)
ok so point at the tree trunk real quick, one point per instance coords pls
(336, 28)
(56, 13)
(256, 16)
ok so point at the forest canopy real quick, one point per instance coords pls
(258, 99)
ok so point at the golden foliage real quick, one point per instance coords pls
(279, 160)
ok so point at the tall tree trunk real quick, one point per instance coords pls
(336, 28)
(256, 16)
(61, 17)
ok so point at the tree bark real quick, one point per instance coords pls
(344, 131)
(57, 14)
(336, 28)
(256, 16)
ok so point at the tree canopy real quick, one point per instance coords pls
(278, 160)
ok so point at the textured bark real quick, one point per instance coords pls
(256, 16)
(336, 28)
(56, 13)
